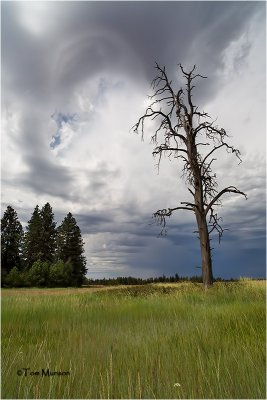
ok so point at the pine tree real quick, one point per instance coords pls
(70, 248)
(40, 239)
(32, 248)
(48, 234)
(11, 241)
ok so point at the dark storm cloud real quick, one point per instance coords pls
(44, 177)
(88, 39)
(25, 59)
(166, 32)
(155, 28)
(110, 220)
(94, 222)
(235, 261)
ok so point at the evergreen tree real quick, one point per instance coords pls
(32, 248)
(48, 234)
(11, 241)
(70, 248)
(40, 239)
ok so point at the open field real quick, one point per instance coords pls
(154, 341)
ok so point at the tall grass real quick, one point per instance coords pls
(155, 341)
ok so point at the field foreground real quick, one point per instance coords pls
(153, 341)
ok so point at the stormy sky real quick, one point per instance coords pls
(75, 79)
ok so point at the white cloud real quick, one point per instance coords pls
(37, 17)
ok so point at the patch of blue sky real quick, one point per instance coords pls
(60, 118)
(55, 141)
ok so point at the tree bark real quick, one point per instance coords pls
(207, 276)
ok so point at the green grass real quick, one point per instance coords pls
(137, 342)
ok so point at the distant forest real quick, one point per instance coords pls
(129, 280)
(44, 255)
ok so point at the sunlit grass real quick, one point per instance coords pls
(153, 341)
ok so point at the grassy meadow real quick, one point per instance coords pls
(153, 341)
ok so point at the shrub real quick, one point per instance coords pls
(38, 275)
(14, 278)
(60, 274)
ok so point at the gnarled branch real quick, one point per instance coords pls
(233, 150)
(229, 189)
(161, 215)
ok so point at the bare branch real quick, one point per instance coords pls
(187, 74)
(207, 167)
(191, 192)
(166, 122)
(215, 225)
(176, 98)
(202, 144)
(190, 76)
(233, 150)
(161, 215)
(164, 147)
(190, 204)
(229, 189)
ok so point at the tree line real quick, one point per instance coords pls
(43, 255)
(130, 280)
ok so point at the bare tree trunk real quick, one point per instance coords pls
(207, 277)
(203, 231)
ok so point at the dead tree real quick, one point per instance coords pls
(181, 131)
